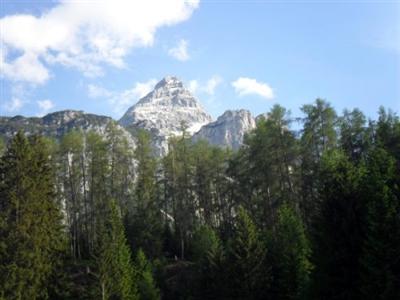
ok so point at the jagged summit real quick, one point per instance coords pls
(228, 130)
(169, 81)
(164, 110)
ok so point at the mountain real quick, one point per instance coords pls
(164, 110)
(56, 124)
(163, 113)
(228, 130)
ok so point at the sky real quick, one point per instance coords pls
(102, 56)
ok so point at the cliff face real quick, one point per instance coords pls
(228, 130)
(164, 111)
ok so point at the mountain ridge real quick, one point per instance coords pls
(164, 112)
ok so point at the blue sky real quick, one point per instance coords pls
(89, 56)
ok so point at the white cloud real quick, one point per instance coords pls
(45, 106)
(180, 51)
(122, 100)
(27, 67)
(83, 35)
(212, 84)
(247, 86)
(193, 86)
(207, 87)
(95, 91)
(14, 105)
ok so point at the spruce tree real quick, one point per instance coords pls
(380, 263)
(144, 220)
(144, 276)
(30, 221)
(116, 271)
(246, 254)
(291, 256)
(336, 230)
(318, 135)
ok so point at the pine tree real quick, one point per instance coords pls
(209, 255)
(116, 272)
(144, 220)
(354, 135)
(336, 229)
(380, 263)
(146, 285)
(318, 136)
(291, 256)
(120, 165)
(97, 177)
(72, 145)
(246, 254)
(30, 221)
(264, 174)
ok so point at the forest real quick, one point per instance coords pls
(305, 213)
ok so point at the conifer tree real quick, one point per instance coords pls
(336, 229)
(116, 271)
(146, 285)
(144, 220)
(72, 145)
(380, 263)
(354, 135)
(97, 175)
(30, 221)
(246, 254)
(291, 256)
(209, 255)
(318, 135)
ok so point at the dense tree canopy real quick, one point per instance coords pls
(312, 213)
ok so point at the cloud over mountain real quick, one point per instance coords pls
(84, 35)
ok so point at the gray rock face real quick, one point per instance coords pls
(228, 130)
(163, 111)
(56, 124)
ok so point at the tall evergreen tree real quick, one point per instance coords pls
(336, 230)
(72, 145)
(380, 260)
(264, 176)
(246, 254)
(30, 221)
(290, 255)
(354, 135)
(144, 219)
(144, 276)
(318, 135)
(116, 271)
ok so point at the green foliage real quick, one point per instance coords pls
(204, 241)
(116, 272)
(354, 135)
(144, 217)
(30, 221)
(144, 276)
(318, 136)
(246, 254)
(215, 224)
(336, 231)
(380, 265)
(291, 254)
(264, 169)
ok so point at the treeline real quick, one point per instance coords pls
(308, 214)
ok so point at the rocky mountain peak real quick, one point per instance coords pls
(164, 110)
(169, 82)
(228, 130)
